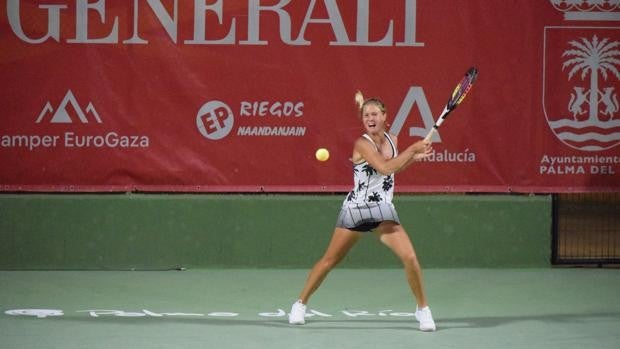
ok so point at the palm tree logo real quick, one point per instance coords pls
(369, 170)
(592, 65)
(593, 58)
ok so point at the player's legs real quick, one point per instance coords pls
(393, 235)
(340, 244)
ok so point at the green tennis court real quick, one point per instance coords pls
(355, 308)
(172, 170)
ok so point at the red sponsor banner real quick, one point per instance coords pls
(236, 96)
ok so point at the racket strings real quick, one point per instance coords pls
(464, 93)
(461, 90)
(459, 93)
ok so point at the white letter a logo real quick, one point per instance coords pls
(415, 95)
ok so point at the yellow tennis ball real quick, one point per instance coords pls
(322, 154)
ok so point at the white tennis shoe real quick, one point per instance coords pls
(297, 316)
(425, 317)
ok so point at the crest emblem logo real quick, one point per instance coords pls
(588, 10)
(581, 84)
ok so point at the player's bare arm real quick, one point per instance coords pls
(367, 151)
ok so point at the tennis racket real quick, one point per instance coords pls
(458, 95)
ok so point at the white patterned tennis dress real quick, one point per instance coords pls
(370, 201)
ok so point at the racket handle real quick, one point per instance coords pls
(430, 134)
(440, 121)
(442, 117)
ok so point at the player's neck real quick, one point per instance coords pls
(377, 137)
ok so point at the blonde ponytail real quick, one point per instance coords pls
(359, 99)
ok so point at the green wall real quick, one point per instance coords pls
(163, 231)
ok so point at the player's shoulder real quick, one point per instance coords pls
(393, 137)
(362, 140)
(359, 147)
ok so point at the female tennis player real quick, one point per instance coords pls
(368, 207)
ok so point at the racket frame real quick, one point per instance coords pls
(455, 99)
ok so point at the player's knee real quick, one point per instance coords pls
(329, 263)
(411, 260)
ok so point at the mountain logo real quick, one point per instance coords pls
(67, 108)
